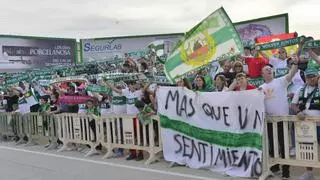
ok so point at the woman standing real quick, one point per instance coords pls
(221, 83)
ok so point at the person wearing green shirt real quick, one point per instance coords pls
(145, 112)
(144, 117)
(44, 105)
(200, 84)
(44, 109)
(94, 112)
(92, 109)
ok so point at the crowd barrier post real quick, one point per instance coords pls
(77, 129)
(305, 143)
(6, 129)
(20, 126)
(265, 155)
(35, 124)
(40, 127)
(125, 131)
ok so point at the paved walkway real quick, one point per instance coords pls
(33, 163)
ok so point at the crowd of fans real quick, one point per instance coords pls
(291, 86)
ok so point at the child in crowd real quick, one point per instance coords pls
(145, 112)
(144, 117)
(94, 112)
(44, 105)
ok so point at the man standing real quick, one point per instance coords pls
(305, 103)
(276, 104)
(226, 66)
(131, 94)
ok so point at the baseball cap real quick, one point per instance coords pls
(311, 71)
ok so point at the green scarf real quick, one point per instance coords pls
(312, 44)
(279, 44)
(143, 118)
(44, 107)
(94, 110)
(99, 89)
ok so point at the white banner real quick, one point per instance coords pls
(221, 131)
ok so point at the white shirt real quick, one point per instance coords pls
(276, 102)
(295, 100)
(131, 97)
(297, 83)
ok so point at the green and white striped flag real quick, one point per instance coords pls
(213, 39)
(161, 48)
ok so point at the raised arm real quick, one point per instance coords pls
(314, 56)
(232, 85)
(113, 88)
(294, 68)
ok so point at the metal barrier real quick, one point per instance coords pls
(77, 129)
(6, 128)
(123, 131)
(306, 143)
(19, 125)
(40, 126)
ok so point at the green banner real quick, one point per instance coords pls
(312, 44)
(99, 89)
(279, 72)
(256, 82)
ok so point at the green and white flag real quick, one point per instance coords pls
(213, 39)
(221, 131)
(161, 48)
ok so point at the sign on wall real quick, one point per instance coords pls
(19, 53)
(266, 26)
(135, 47)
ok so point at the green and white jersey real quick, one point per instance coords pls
(118, 103)
(131, 97)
